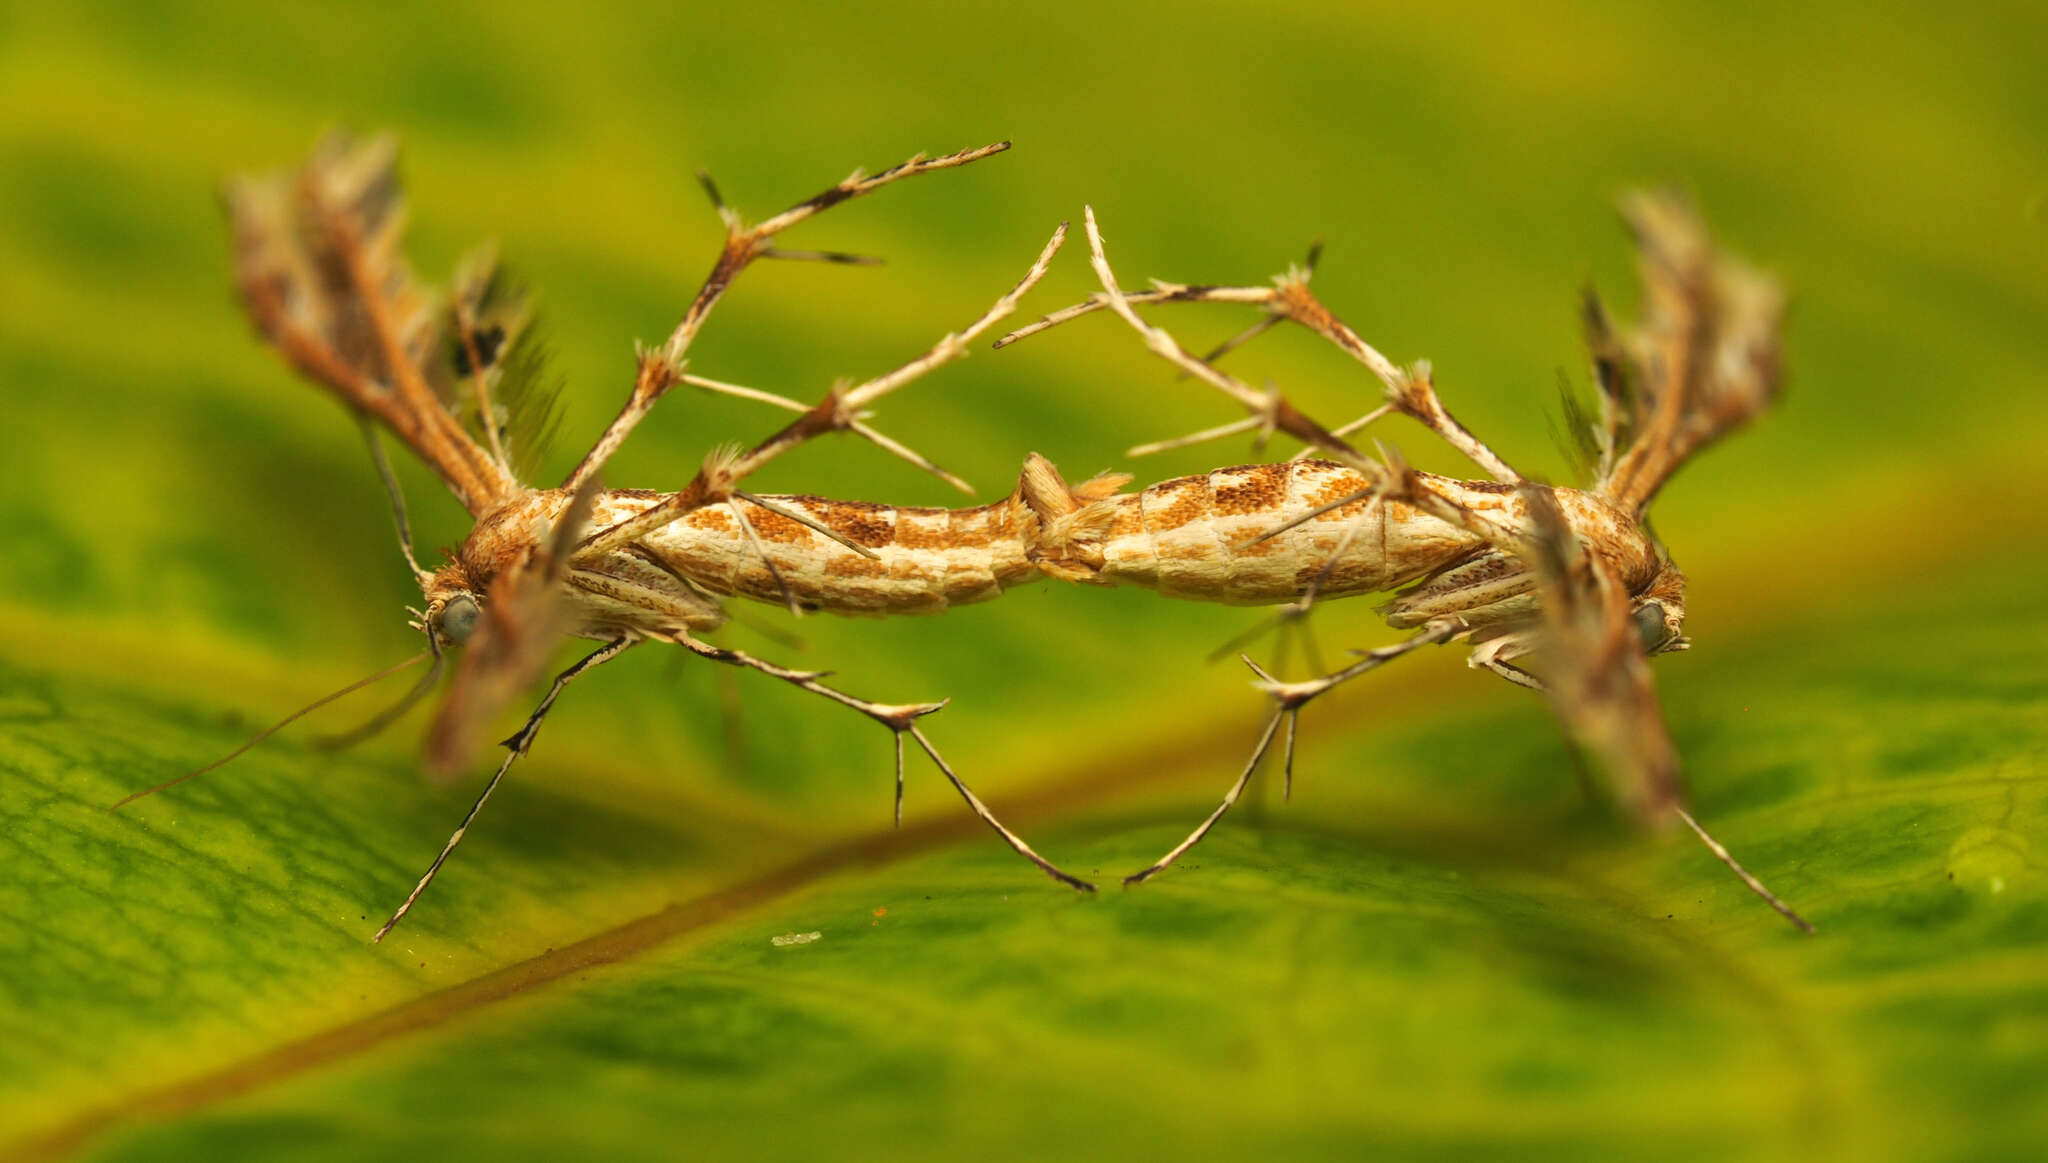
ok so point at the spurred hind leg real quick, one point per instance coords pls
(1288, 699)
(1410, 391)
(901, 719)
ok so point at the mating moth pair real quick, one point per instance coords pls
(1561, 590)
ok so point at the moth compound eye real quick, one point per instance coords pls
(1650, 626)
(458, 618)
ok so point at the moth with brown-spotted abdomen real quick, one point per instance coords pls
(319, 264)
(1558, 589)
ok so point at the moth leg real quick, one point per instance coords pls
(1278, 623)
(1298, 628)
(1748, 879)
(1601, 688)
(1269, 410)
(900, 719)
(844, 408)
(1409, 391)
(1294, 616)
(1512, 673)
(1349, 427)
(515, 747)
(1161, 292)
(1166, 292)
(1266, 411)
(661, 367)
(732, 721)
(1288, 699)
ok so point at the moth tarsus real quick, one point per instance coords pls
(515, 746)
(1570, 579)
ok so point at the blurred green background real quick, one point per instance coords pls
(1439, 952)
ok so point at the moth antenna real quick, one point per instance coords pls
(274, 728)
(375, 725)
(396, 495)
(1756, 886)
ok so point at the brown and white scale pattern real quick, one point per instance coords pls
(927, 560)
(1210, 538)
(1196, 537)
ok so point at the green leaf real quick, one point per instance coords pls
(1373, 965)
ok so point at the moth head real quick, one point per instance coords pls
(452, 607)
(1659, 613)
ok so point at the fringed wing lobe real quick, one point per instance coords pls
(524, 615)
(320, 269)
(1592, 657)
(1704, 361)
(496, 374)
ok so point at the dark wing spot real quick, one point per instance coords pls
(489, 342)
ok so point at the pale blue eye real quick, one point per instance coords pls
(1650, 625)
(458, 618)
